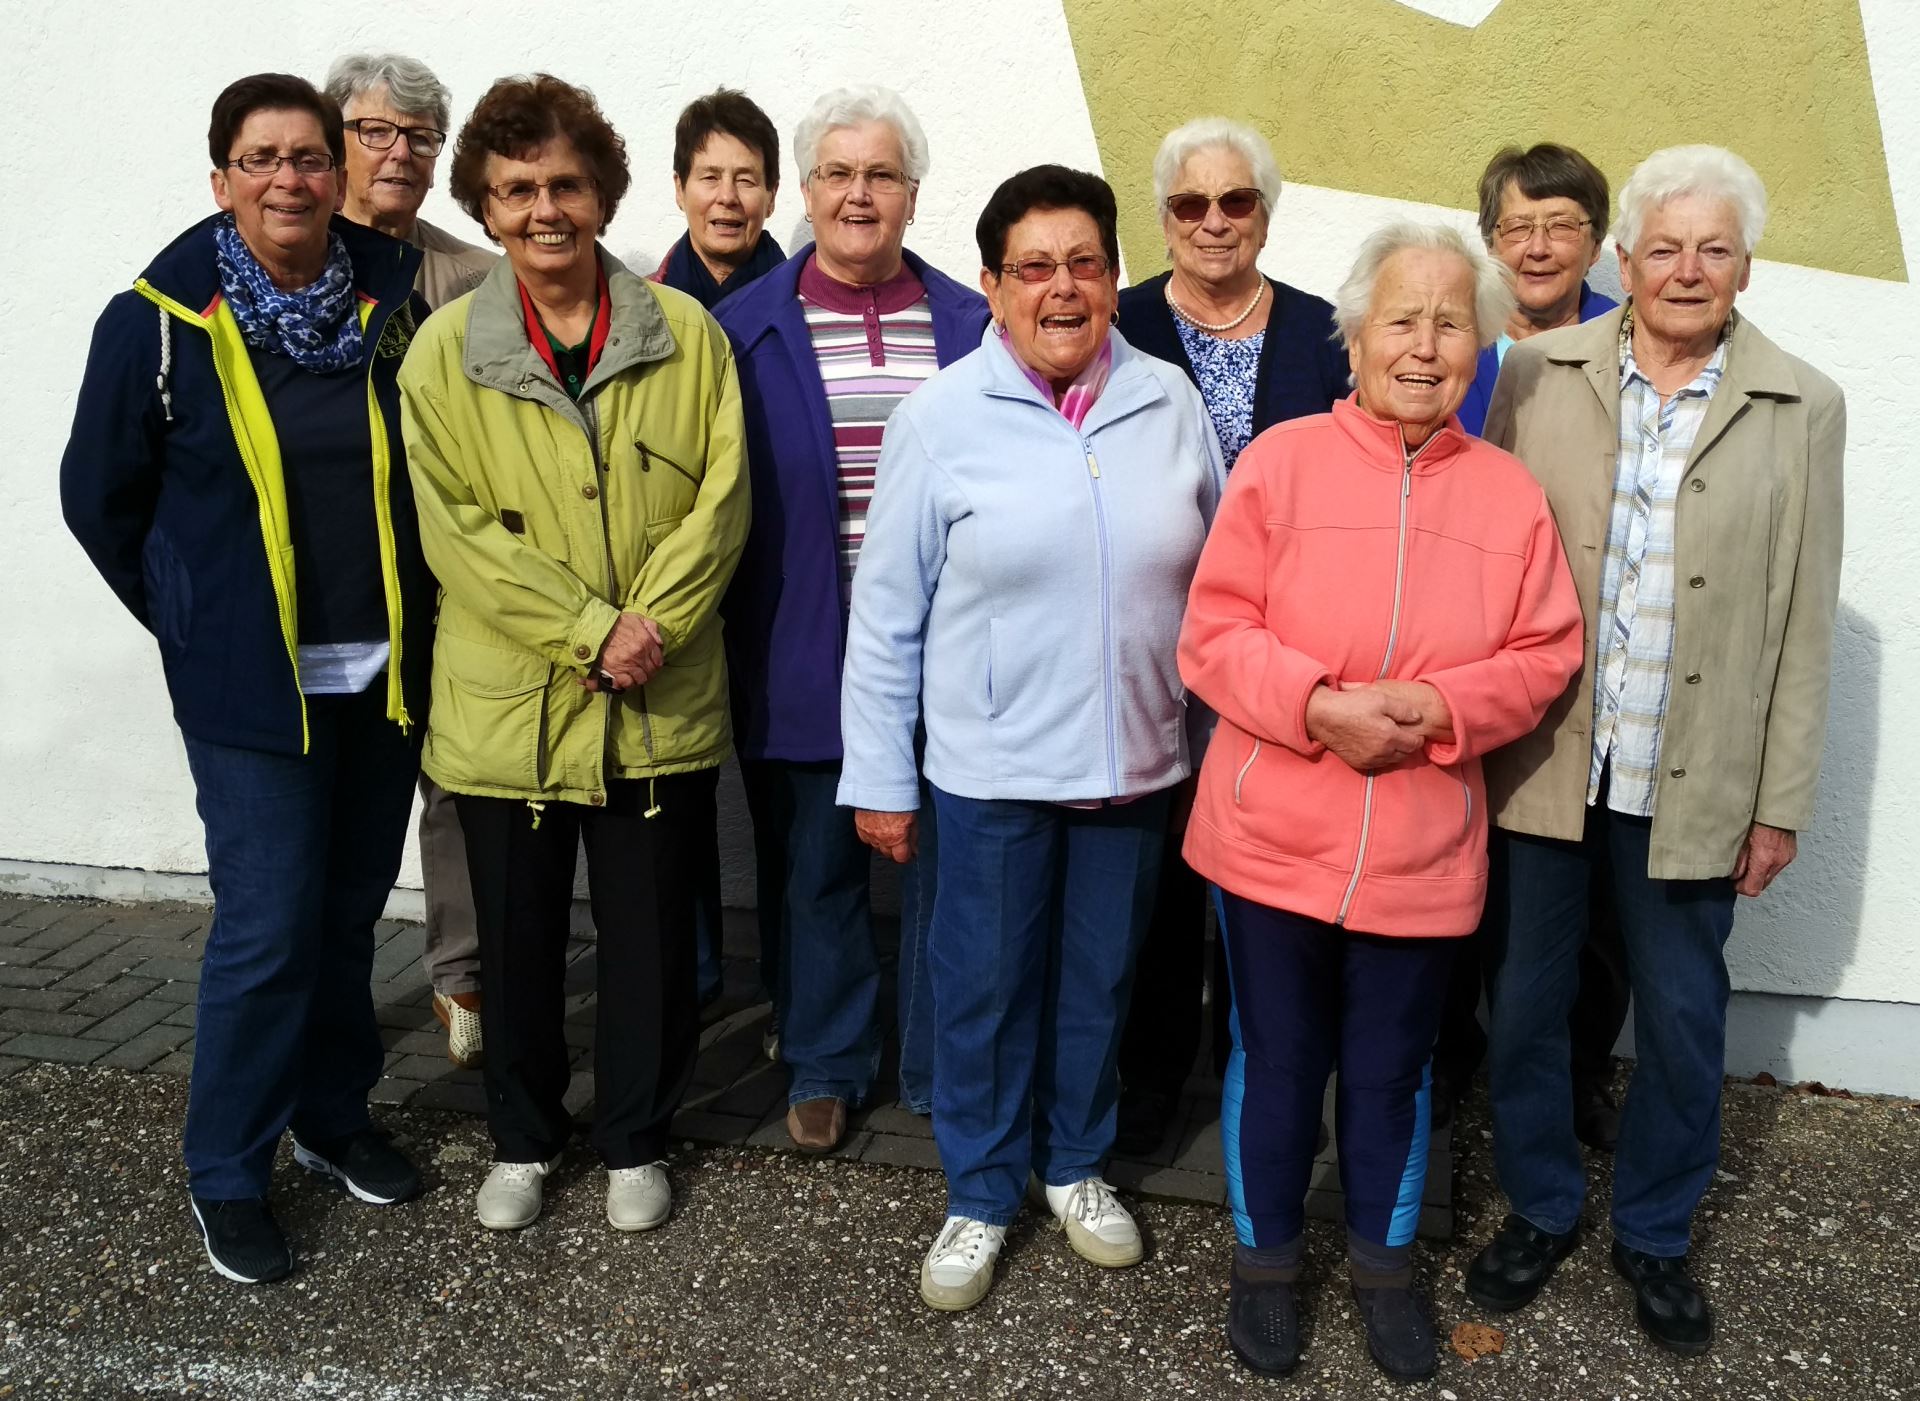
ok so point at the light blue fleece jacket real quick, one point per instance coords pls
(1024, 581)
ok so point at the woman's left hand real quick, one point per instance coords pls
(1436, 719)
(893, 834)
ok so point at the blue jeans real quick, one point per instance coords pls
(1039, 914)
(1675, 933)
(813, 869)
(302, 852)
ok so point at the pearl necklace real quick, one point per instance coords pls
(1209, 327)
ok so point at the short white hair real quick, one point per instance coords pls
(852, 107)
(1206, 133)
(411, 86)
(1711, 171)
(1493, 299)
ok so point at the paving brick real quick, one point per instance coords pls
(12, 905)
(178, 1062)
(67, 1050)
(1151, 1181)
(580, 1038)
(177, 970)
(755, 1096)
(47, 999)
(9, 1064)
(896, 1150)
(174, 992)
(406, 1018)
(432, 1067)
(704, 1127)
(49, 1023)
(138, 948)
(14, 977)
(1200, 1149)
(389, 1090)
(451, 1095)
(578, 1099)
(139, 1052)
(416, 1043)
(121, 992)
(77, 923)
(891, 1118)
(181, 1015)
(81, 951)
(106, 968)
(20, 955)
(41, 914)
(131, 1020)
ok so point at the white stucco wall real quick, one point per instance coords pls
(106, 109)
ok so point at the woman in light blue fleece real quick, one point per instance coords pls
(1040, 508)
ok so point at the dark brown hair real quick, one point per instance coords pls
(729, 112)
(1545, 171)
(515, 117)
(271, 92)
(1045, 187)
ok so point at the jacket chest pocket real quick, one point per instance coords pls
(669, 472)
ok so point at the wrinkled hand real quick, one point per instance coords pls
(1436, 719)
(631, 654)
(892, 834)
(1765, 853)
(1366, 729)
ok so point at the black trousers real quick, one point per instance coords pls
(1599, 1012)
(1165, 1022)
(643, 876)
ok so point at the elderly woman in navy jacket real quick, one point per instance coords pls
(827, 345)
(1260, 352)
(1041, 509)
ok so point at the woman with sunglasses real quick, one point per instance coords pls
(1040, 512)
(235, 475)
(574, 436)
(1261, 352)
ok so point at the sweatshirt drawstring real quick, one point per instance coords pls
(653, 803)
(537, 807)
(166, 365)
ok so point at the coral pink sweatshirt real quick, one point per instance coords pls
(1334, 560)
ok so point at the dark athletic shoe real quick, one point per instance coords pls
(1263, 1321)
(1596, 1118)
(1667, 1302)
(1399, 1334)
(372, 1168)
(1516, 1264)
(243, 1240)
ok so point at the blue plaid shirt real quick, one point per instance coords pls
(1633, 639)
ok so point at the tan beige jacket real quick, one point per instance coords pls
(1757, 545)
(450, 268)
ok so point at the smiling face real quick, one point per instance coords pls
(281, 217)
(726, 201)
(1547, 275)
(385, 188)
(1056, 327)
(857, 231)
(1685, 269)
(550, 239)
(1216, 251)
(1415, 356)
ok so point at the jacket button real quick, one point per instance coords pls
(589, 491)
(597, 799)
(1676, 773)
(1693, 678)
(583, 652)
(1698, 581)
(1696, 485)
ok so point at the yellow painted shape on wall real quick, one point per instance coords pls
(1374, 97)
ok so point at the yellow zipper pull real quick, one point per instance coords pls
(1092, 465)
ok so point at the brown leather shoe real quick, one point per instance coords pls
(817, 1125)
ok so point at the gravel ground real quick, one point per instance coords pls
(783, 1277)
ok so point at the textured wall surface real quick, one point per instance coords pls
(107, 161)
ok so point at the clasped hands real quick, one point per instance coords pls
(632, 653)
(1373, 724)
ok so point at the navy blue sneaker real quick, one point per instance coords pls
(372, 1168)
(243, 1240)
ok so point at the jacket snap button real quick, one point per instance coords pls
(589, 491)
(1678, 773)
(1696, 485)
(583, 652)
(1698, 581)
(598, 799)
(1693, 678)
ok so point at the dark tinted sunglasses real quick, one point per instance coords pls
(1191, 208)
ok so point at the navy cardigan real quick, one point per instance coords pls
(1303, 367)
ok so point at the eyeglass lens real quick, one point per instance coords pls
(1191, 208)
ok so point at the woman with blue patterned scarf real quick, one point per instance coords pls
(236, 475)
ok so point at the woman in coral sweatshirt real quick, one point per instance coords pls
(1383, 599)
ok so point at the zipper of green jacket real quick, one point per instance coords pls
(255, 439)
(591, 413)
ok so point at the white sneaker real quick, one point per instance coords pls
(510, 1197)
(638, 1198)
(1098, 1227)
(958, 1270)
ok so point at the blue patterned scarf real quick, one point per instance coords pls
(316, 326)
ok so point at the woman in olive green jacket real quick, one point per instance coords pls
(574, 436)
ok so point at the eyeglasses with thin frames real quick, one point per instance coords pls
(269, 162)
(1561, 228)
(881, 179)
(377, 134)
(1081, 267)
(518, 195)
(1190, 207)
